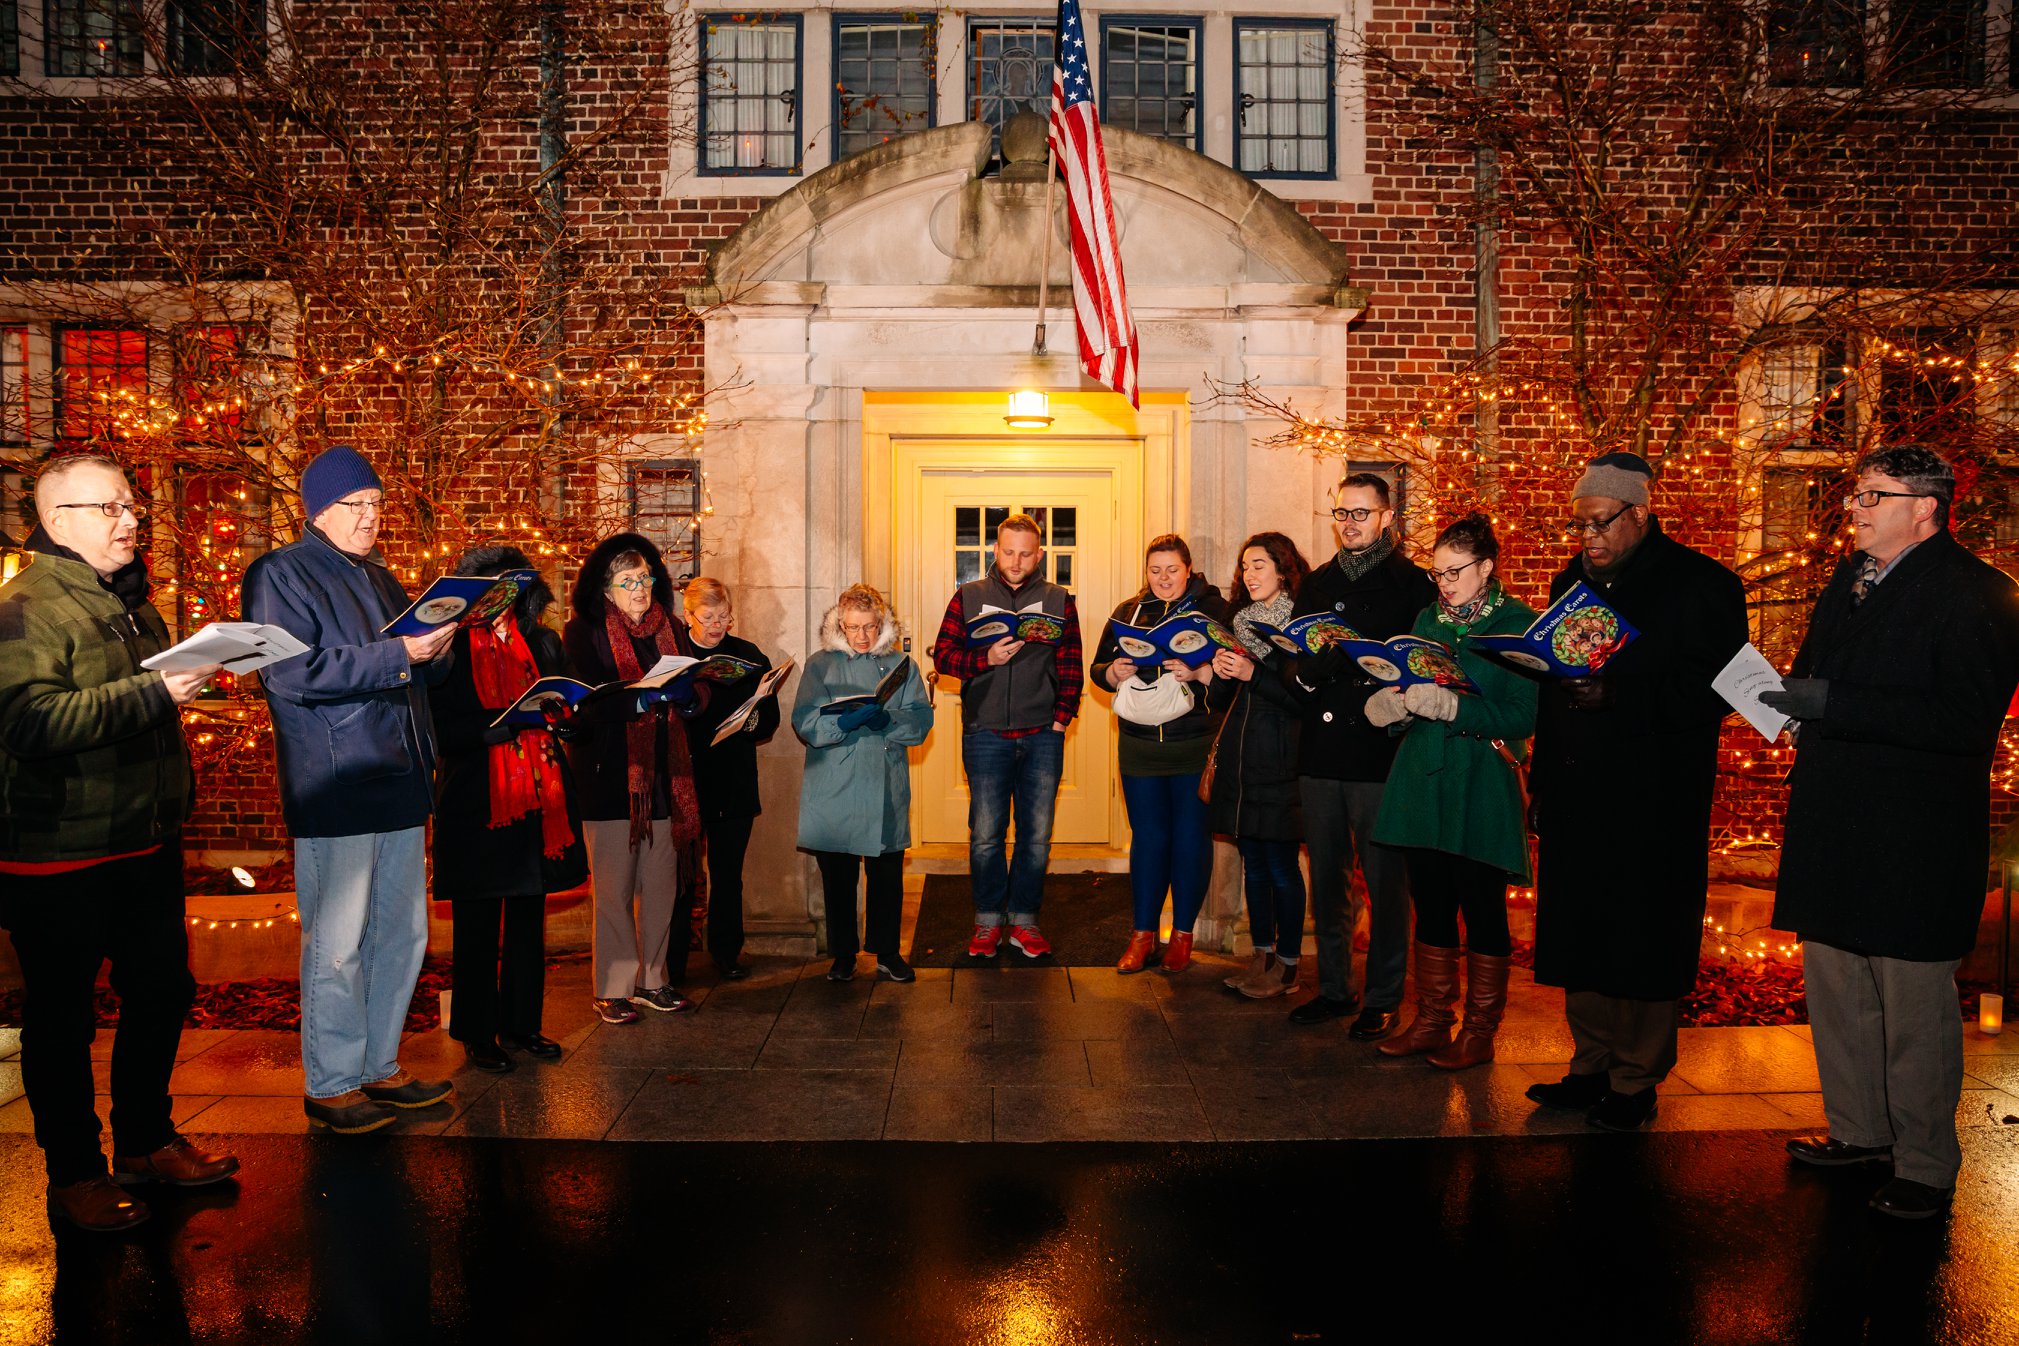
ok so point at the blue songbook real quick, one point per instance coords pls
(544, 702)
(1193, 638)
(1573, 638)
(1407, 660)
(468, 599)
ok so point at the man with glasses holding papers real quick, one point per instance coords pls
(1899, 692)
(1623, 767)
(96, 778)
(355, 746)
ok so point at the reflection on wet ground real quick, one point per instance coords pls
(1699, 1237)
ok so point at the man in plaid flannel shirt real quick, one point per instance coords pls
(1017, 697)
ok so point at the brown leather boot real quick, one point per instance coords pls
(96, 1205)
(1178, 953)
(177, 1163)
(1485, 1002)
(1141, 952)
(1436, 998)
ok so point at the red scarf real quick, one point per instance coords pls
(641, 735)
(525, 771)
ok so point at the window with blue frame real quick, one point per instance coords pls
(883, 78)
(1150, 77)
(1284, 98)
(1009, 70)
(750, 94)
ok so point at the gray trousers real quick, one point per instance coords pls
(1889, 1049)
(630, 950)
(1632, 1041)
(1338, 815)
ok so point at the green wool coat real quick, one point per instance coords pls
(92, 758)
(1449, 790)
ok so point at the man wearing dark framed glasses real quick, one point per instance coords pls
(1343, 761)
(1625, 763)
(1899, 691)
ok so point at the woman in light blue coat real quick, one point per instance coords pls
(855, 799)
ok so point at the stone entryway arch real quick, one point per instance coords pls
(910, 270)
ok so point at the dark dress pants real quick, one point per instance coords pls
(500, 982)
(885, 901)
(728, 839)
(64, 927)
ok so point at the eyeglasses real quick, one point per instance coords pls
(1451, 576)
(1867, 499)
(849, 628)
(1356, 515)
(632, 585)
(363, 507)
(112, 509)
(1578, 528)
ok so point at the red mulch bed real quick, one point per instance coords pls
(275, 1002)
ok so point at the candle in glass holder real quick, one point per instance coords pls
(1991, 1013)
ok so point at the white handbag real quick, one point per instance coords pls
(1153, 703)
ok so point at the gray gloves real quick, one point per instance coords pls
(1430, 701)
(1800, 698)
(1385, 707)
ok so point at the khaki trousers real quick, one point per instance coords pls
(635, 894)
(1632, 1041)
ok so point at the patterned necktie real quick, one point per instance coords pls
(1867, 576)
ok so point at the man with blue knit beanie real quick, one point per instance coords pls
(355, 746)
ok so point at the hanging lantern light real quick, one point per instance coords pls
(1029, 410)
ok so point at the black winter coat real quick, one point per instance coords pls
(1255, 790)
(1623, 794)
(725, 775)
(1146, 609)
(472, 858)
(1336, 742)
(1888, 822)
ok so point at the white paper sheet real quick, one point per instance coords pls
(1740, 683)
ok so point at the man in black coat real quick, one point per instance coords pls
(1624, 766)
(1343, 761)
(1899, 692)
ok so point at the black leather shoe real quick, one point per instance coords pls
(1320, 1009)
(1622, 1112)
(1824, 1152)
(532, 1044)
(1374, 1024)
(732, 971)
(843, 969)
(1572, 1093)
(1905, 1199)
(488, 1056)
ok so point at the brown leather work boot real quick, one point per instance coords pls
(1485, 1002)
(1436, 1001)
(177, 1163)
(96, 1205)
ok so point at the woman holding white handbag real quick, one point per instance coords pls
(1166, 736)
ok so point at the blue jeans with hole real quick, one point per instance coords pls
(1170, 849)
(1275, 888)
(363, 903)
(1005, 775)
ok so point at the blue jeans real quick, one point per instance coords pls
(1001, 773)
(363, 904)
(1275, 888)
(1170, 849)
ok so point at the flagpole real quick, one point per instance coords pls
(1045, 245)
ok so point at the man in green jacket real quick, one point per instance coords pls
(94, 787)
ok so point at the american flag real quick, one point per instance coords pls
(1100, 303)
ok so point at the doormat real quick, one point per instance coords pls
(1087, 918)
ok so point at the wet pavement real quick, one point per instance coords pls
(1702, 1237)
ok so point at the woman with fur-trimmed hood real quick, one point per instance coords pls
(507, 829)
(855, 799)
(636, 777)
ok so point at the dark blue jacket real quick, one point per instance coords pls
(351, 729)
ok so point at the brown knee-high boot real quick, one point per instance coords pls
(1485, 1002)
(1436, 998)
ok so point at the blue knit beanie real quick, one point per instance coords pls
(336, 472)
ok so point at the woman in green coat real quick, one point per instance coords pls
(1453, 803)
(855, 799)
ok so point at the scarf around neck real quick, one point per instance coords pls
(1275, 611)
(525, 770)
(643, 733)
(1355, 564)
(1465, 616)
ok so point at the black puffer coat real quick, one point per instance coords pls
(725, 773)
(472, 858)
(1255, 791)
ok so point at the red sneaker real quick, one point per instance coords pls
(987, 939)
(1029, 941)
